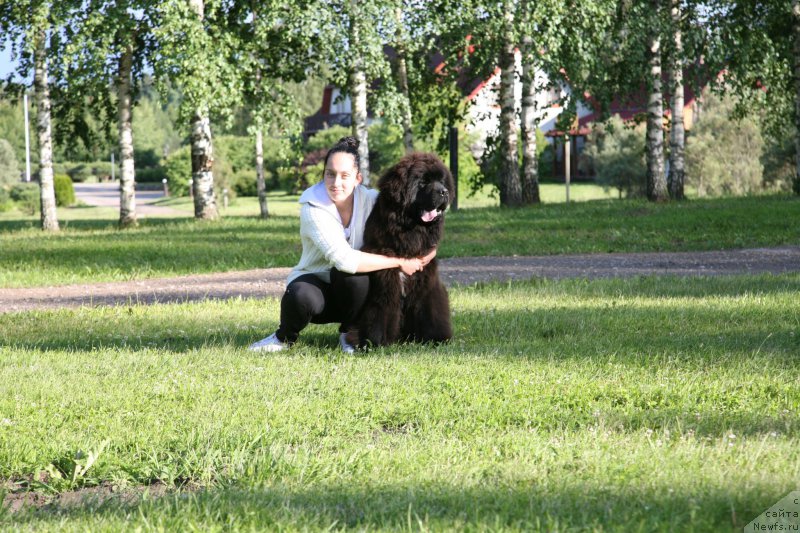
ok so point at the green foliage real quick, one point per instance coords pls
(9, 169)
(385, 147)
(723, 154)
(26, 196)
(5, 200)
(232, 155)
(150, 174)
(778, 158)
(65, 192)
(244, 182)
(616, 152)
(324, 139)
(178, 168)
(488, 172)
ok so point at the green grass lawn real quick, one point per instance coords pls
(651, 404)
(92, 249)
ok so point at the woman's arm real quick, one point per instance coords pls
(372, 262)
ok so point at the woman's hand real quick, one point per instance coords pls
(428, 257)
(411, 266)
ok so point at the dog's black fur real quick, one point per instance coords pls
(407, 221)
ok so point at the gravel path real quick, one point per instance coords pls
(265, 283)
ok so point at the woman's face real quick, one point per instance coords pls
(341, 177)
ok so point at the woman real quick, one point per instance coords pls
(328, 284)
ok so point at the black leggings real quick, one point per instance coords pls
(309, 299)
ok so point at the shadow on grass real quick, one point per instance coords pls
(529, 506)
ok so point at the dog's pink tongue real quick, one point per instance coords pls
(429, 216)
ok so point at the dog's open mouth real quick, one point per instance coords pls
(430, 216)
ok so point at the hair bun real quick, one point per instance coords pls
(349, 141)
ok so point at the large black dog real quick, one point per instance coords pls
(407, 221)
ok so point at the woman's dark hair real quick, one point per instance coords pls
(348, 145)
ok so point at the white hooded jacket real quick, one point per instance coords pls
(326, 242)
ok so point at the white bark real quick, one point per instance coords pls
(402, 84)
(49, 216)
(656, 180)
(677, 171)
(510, 187)
(127, 186)
(530, 167)
(205, 202)
(358, 95)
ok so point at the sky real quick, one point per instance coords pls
(5, 63)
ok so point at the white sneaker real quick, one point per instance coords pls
(344, 345)
(270, 344)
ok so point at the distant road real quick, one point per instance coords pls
(107, 195)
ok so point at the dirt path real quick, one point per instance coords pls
(265, 283)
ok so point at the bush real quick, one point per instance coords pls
(178, 169)
(326, 138)
(26, 196)
(722, 154)
(65, 192)
(617, 153)
(778, 158)
(5, 200)
(9, 169)
(489, 170)
(150, 174)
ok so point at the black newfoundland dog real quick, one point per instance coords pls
(407, 221)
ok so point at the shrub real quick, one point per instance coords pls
(326, 138)
(65, 192)
(150, 174)
(5, 200)
(80, 172)
(778, 158)
(488, 172)
(26, 196)
(244, 182)
(617, 153)
(722, 154)
(9, 169)
(178, 169)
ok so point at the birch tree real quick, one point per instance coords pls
(757, 46)
(198, 53)
(654, 147)
(111, 39)
(676, 177)
(32, 26)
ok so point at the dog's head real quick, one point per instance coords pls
(420, 185)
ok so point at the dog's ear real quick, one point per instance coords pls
(395, 182)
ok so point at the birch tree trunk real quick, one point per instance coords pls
(656, 181)
(261, 185)
(205, 202)
(530, 169)
(358, 95)
(402, 83)
(796, 34)
(49, 217)
(510, 188)
(677, 167)
(127, 189)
